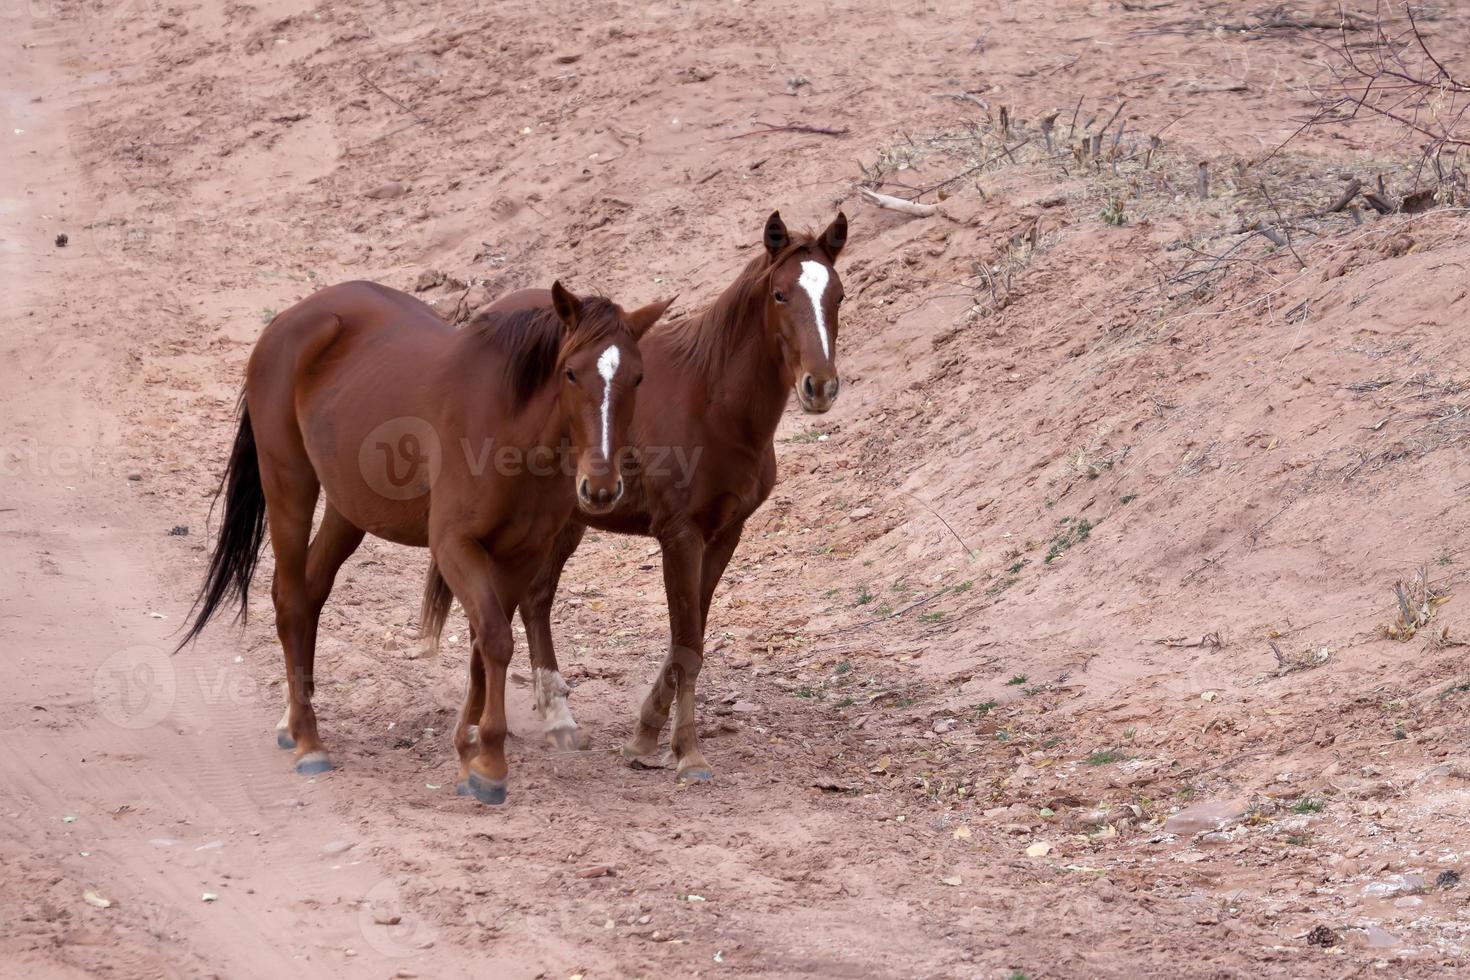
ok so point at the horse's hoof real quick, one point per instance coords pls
(284, 739)
(313, 764)
(699, 774)
(462, 788)
(567, 739)
(490, 792)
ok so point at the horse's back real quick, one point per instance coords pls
(519, 301)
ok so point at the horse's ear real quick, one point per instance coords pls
(568, 307)
(832, 240)
(777, 238)
(641, 319)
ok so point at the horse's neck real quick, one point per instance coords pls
(753, 382)
(465, 368)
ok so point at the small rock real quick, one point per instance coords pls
(952, 880)
(1407, 884)
(428, 279)
(179, 531)
(384, 919)
(385, 192)
(944, 725)
(96, 900)
(1213, 815)
(596, 871)
(209, 897)
(1038, 850)
(745, 707)
(135, 476)
(61, 241)
(1209, 696)
(1447, 879)
(338, 847)
(860, 513)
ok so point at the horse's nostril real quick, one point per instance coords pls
(832, 387)
(808, 387)
(585, 489)
(618, 490)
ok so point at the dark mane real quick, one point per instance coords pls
(534, 342)
(702, 341)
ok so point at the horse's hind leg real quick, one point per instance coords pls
(551, 691)
(334, 543)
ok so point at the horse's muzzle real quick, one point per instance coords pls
(816, 396)
(599, 500)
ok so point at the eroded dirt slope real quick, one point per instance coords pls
(1014, 602)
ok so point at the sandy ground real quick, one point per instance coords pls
(993, 689)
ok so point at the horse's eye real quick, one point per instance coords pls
(780, 296)
(571, 375)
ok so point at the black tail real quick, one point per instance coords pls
(434, 611)
(232, 565)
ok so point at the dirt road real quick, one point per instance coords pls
(992, 689)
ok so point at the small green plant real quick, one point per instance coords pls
(984, 708)
(267, 315)
(884, 611)
(1052, 742)
(1016, 568)
(1003, 735)
(1071, 534)
(932, 617)
(962, 588)
(1017, 680)
(809, 435)
(1400, 732)
(1307, 804)
(804, 692)
(1128, 498)
(843, 668)
(1446, 559)
(1129, 733)
(864, 596)
(1104, 757)
(1112, 212)
(845, 703)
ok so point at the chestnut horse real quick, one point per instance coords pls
(461, 441)
(716, 387)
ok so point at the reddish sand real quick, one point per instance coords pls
(1010, 609)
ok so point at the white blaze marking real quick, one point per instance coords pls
(551, 700)
(813, 279)
(607, 366)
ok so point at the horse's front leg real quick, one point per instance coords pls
(674, 686)
(471, 574)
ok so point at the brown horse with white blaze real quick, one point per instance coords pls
(716, 385)
(477, 443)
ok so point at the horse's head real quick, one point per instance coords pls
(804, 294)
(601, 370)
